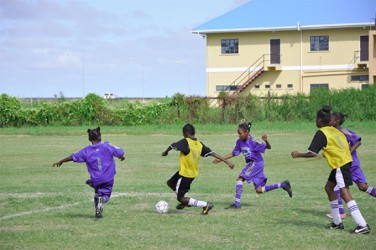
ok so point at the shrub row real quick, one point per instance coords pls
(94, 110)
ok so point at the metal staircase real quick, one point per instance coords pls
(247, 77)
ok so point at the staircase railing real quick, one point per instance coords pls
(242, 81)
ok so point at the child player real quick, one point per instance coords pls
(190, 151)
(99, 158)
(338, 156)
(254, 170)
(354, 140)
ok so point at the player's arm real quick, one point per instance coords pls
(117, 152)
(265, 139)
(224, 159)
(296, 154)
(59, 163)
(217, 160)
(165, 153)
(318, 142)
(181, 146)
(355, 146)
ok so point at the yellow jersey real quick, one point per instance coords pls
(337, 151)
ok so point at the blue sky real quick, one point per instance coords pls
(127, 47)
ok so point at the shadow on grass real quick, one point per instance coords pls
(74, 215)
(313, 212)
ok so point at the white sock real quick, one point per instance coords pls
(197, 203)
(369, 189)
(335, 212)
(355, 213)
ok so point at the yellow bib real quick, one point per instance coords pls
(189, 162)
(337, 151)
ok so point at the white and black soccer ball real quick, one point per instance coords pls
(161, 207)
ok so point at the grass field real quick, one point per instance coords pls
(51, 208)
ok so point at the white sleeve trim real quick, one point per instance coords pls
(312, 152)
(208, 154)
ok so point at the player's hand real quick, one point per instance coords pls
(164, 153)
(264, 137)
(122, 158)
(57, 164)
(216, 160)
(231, 165)
(295, 154)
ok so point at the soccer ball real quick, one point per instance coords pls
(161, 207)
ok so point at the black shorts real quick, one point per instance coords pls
(341, 176)
(182, 184)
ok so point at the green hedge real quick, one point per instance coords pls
(94, 110)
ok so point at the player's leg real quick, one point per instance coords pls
(367, 188)
(342, 212)
(183, 188)
(333, 201)
(245, 175)
(104, 194)
(359, 178)
(173, 181)
(344, 180)
(260, 183)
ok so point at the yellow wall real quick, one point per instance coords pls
(333, 66)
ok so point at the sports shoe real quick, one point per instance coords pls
(205, 210)
(99, 208)
(182, 206)
(287, 188)
(343, 216)
(335, 226)
(89, 182)
(362, 230)
(233, 206)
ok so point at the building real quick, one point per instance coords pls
(291, 46)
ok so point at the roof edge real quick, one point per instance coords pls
(286, 28)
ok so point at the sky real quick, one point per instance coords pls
(130, 48)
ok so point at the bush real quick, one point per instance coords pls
(94, 110)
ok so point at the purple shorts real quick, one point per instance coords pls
(104, 189)
(356, 172)
(254, 172)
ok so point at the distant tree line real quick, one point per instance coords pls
(94, 110)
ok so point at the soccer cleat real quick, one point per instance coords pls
(287, 188)
(362, 230)
(335, 226)
(182, 206)
(205, 210)
(343, 216)
(89, 182)
(233, 206)
(99, 208)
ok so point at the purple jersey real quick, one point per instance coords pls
(99, 161)
(251, 149)
(352, 138)
(356, 172)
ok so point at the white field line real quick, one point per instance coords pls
(47, 209)
(114, 195)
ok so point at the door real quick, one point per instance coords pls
(363, 48)
(275, 51)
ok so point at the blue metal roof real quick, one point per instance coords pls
(258, 15)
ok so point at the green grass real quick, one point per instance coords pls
(50, 208)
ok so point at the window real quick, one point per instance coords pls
(230, 46)
(257, 86)
(267, 86)
(319, 43)
(226, 87)
(290, 86)
(319, 86)
(364, 86)
(278, 86)
(359, 78)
